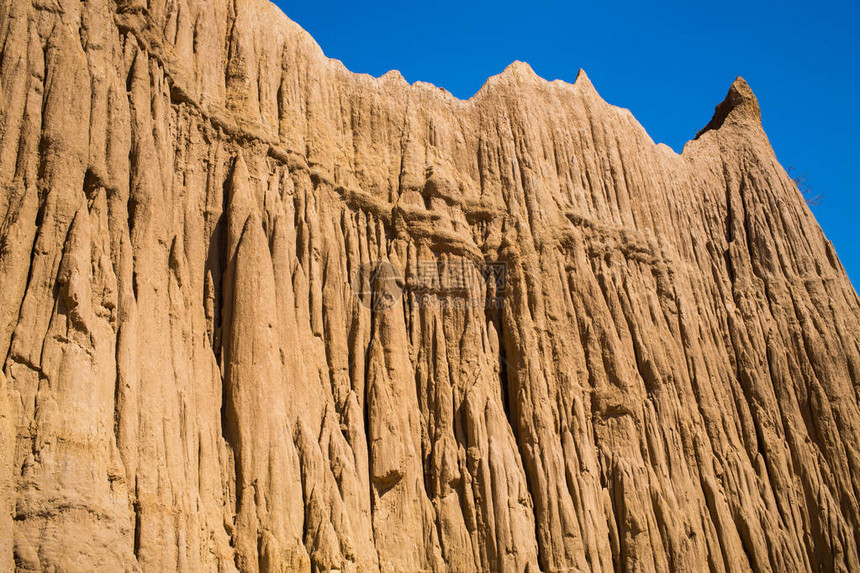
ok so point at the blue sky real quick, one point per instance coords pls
(669, 64)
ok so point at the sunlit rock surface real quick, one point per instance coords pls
(198, 375)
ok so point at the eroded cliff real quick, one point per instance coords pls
(200, 375)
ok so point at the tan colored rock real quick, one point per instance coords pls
(203, 369)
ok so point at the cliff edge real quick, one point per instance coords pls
(262, 314)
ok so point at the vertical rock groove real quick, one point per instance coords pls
(246, 326)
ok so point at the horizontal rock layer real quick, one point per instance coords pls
(204, 370)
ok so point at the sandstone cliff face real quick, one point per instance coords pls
(198, 375)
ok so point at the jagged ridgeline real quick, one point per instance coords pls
(262, 314)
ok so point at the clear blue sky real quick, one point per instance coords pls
(670, 64)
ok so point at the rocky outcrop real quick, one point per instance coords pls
(246, 325)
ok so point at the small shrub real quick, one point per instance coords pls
(809, 195)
